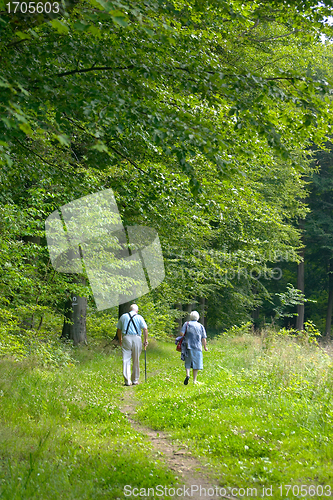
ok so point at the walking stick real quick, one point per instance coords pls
(145, 364)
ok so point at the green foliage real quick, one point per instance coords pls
(102, 325)
(271, 338)
(236, 331)
(204, 139)
(291, 297)
(310, 332)
(160, 318)
(42, 347)
(143, 83)
(11, 343)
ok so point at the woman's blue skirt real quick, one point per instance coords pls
(194, 359)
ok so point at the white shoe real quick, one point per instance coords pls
(128, 384)
(135, 383)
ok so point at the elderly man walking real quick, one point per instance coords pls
(129, 335)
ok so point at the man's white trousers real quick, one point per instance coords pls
(131, 348)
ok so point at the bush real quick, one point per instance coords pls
(237, 331)
(18, 342)
(102, 325)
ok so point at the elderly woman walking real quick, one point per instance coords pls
(194, 338)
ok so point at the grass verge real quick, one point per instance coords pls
(63, 436)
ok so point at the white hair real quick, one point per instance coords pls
(194, 316)
(134, 307)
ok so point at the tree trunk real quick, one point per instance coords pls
(74, 327)
(188, 309)
(124, 308)
(300, 286)
(330, 301)
(179, 321)
(255, 317)
(202, 312)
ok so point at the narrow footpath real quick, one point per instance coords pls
(190, 471)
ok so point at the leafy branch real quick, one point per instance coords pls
(94, 68)
(119, 153)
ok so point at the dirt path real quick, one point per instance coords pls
(190, 471)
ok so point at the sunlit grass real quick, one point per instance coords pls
(261, 416)
(63, 436)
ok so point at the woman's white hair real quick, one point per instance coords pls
(194, 316)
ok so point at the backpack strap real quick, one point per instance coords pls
(131, 321)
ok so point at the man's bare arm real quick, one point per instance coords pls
(119, 335)
(145, 333)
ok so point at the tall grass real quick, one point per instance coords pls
(63, 436)
(262, 415)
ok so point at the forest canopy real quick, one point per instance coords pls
(204, 117)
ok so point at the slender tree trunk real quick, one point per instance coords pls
(74, 327)
(202, 312)
(179, 321)
(330, 301)
(256, 311)
(300, 286)
(255, 316)
(206, 314)
(188, 309)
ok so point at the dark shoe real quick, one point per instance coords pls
(186, 380)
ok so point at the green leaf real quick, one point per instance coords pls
(95, 31)
(22, 36)
(34, 34)
(100, 146)
(79, 26)
(8, 160)
(5, 83)
(63, 139)
(22, 89)
(25, 127)
(101, 4)
(119, 17)
(59, 26)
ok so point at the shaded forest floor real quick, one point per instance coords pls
(259, 420)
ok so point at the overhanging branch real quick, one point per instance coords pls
(119, 153)
(94, 68)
